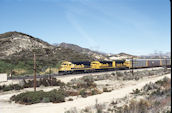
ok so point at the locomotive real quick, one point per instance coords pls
(95, 66)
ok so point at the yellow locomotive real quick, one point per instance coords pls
(70, 67)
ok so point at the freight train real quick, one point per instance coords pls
(96, 66)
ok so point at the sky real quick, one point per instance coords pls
(137, 27)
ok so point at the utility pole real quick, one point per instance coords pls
(165, 64)
(50, 76)
(132, 67)
(34, 60)
(11, 69)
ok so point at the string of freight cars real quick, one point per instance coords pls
(96, 66)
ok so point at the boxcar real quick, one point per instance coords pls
(138, 63)
(166, 62)
(153, 63)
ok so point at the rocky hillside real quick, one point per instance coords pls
(121, 56)
(16, 42)
(85, 51)
(17, 45)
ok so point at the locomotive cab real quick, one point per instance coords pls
(66, 66)
(95, 65)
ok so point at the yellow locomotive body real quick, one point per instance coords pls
(66, 66)
(99, 65)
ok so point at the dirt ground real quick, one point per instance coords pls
(124, 88)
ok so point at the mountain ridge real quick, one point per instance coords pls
(21, 45)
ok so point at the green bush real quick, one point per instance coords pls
(11, 87)
(56, 96)
(83, 93)
(27, 98)
(17, 87)
(30, 83)
(7, 88)
(45, 100)
(93, 92)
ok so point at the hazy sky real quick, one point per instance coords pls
(133, 26)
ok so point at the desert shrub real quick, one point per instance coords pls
(106, 90)
(45, 100)
(27, 98)
(72, 93)
(101, 77)
(17, 87)
(45, 82)
(70, 99)
(150, 86)
(169, 111)
(1, 87)
(7, 88)
(99, 107)
(56, 96)
(137, 78)
(88, 78)
(72, 110)
(95, 91)
(120, 74)
(151, 73)
(113, 74)
(163, 81)
(84, 82)
(28, 84)
(11, 87)
(83, 93)
(158, 92)
(87, 110)
(141, 106)
(136, 91)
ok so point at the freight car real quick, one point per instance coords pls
(146, 63)
(94, 66)
(166, 62)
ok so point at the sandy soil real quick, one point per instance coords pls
(79, 103)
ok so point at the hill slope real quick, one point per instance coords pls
(122, 56)
(94, 54)
(21, 46)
